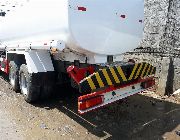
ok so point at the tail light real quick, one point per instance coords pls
(91, 102)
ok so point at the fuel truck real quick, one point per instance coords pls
(76, 42)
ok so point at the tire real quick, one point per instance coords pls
(28, 85)
(14, 76)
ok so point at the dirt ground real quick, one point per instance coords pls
(140, 117)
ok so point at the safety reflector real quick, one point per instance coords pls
(81, 8)
(88, 103)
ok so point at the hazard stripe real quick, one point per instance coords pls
(138, 72)
(114, 75)
(107, 77)
(148, 70)
(111, 76)
(120, 71)
(132, 74)
(118, 75)
(91, 84)
(141, 70)
(94, 79)
(152, 71)
(85, 87)
(103, 78)
(101, 84)
(142, 74)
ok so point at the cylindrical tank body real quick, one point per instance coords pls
(108, 27)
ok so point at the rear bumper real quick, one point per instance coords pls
(111, 83)
(95, 100)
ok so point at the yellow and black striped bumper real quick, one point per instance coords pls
(116, 75)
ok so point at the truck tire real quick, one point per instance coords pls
(28, 86)
(14, 75)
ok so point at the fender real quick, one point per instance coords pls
(37, 60)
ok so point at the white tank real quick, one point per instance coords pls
(107, 27)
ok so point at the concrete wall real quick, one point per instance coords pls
(154, 22)
(162, 30)
(162, 23)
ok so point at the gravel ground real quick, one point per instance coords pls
(143, 116)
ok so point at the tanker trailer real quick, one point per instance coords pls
(78, 42)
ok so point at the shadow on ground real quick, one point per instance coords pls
(137, 117)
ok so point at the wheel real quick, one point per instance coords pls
(14, 75)
(28, 85)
